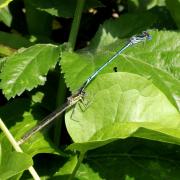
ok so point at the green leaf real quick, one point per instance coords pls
(4, 3)
(68, 167)
(123, 105)
(27, 68)
(158, 61)
(14, 164)
(174, 7)
(84, 171)
(5, 16)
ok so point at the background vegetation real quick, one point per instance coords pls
(130, 126)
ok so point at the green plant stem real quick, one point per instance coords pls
(17, 148)
(61, 86)
(76, 23)
(80, 159)
(61, 95)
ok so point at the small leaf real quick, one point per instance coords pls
(84, 171)
(27, 69)
(5, 16)
(68, 167)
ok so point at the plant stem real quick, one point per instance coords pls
(76, 23)
(61, 95)
(80, 159)
(61, 86)
(17, 148)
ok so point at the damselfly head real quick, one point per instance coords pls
(147, 35)
(140, 38)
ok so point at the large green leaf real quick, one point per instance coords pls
(157, 61)
(13, 164)
(123, 105)
(27, 68)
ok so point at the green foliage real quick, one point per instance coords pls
(26, 68)
(164, 73)
(5, 16)
(4, 3)
(115, 93)
(14, 164)
(127, 126)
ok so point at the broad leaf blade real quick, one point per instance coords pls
(123, 105)
(27, 69)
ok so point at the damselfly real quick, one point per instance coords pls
(72, 100)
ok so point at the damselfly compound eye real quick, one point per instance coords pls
(148, 36)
